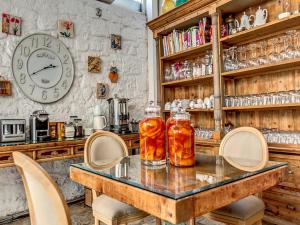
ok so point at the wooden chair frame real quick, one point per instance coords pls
(265, 155)
(89, 142)
(23, 161)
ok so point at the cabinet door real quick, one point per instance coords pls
(283, 203)
(293, 179)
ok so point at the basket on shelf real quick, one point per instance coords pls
(5, 87)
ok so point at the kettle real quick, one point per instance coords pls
(99, 122)
(260, 17)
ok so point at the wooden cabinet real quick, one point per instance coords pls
(55, 150)
(283, 203)
(275, 77)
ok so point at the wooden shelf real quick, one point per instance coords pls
(290, 64)
(264, 30)
(186, 82)
(188, 52)
(262, 107)
(193, 110)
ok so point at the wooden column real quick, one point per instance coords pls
(217, 76)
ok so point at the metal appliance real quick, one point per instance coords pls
(118, 115)
(39, 125)
(12, 130)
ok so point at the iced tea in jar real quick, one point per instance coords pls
(152, 137)
(181, 140)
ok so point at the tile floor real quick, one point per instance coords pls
(82, 215)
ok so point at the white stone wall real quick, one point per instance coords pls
(92, 37)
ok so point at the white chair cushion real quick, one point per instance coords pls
(110, 208)
(242, 209)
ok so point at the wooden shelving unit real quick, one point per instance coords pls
(273, 77)
(186, 82)
(188, 52)
(281, 66)
(262, 31)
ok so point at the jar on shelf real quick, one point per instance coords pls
(78, 127)
(69, 130)
(152, 137)
(181, 139)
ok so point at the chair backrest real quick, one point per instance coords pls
(45, 201)
(245, 148)
(104, 149)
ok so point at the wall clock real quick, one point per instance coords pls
(43, 68)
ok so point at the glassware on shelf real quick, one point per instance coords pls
(186, 70)
(242, 57)
(227, 60)
(152, 137)
(274, 55)
(208, 63)
(262, 47)
(252, 48)
(168, 74)
(275, 136)
(181, 140)
(285, 8)
(279, 98)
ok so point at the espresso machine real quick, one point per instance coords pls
(118, 115)
(39, 125)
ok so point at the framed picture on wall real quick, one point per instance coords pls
(115, 41)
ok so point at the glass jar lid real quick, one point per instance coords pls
(181, 114)
(152, 109)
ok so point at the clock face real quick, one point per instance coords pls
(43, 68)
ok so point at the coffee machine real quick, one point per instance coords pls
(39, 125)
(118, 115)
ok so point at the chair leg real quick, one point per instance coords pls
(259, 222)
(158, 221)
(191, 221)
(97, 222)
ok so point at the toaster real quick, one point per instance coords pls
(12, 130)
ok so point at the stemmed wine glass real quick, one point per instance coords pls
(274, 54)
(242, 57)
(263, 59)
(252, 48)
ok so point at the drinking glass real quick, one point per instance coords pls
(263, 58)
(274, 54)
(233, 55)
(252, 48)
(283, 45)
(227, 60)
(291, 41)
(242, 57)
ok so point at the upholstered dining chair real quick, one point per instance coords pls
(45, 201)
(246, 149)
(103, 150)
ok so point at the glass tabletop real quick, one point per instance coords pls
(173, 182)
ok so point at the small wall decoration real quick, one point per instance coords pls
(115, 41)
(113, 74)
(98, 12)
(5, 87)
(94, 64)
(65, 28)
(11, 24)
(102, 90)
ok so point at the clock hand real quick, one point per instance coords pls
(46, 67)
